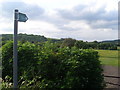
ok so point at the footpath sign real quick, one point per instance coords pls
(21, 18)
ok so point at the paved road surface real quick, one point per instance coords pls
(112, 71)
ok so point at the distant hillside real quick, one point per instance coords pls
(112, 41)
(26, 37)
(69, 42)
(38, 38)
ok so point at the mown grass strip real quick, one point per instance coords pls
(108, 57)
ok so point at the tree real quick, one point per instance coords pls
(69, 42)
(81, 45)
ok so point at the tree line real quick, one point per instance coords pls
(106, 45)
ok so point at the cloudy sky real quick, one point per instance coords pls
(86, 20)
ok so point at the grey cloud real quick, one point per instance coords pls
(56, 20)
(32, 11)
(63, 17)
(83, 12)
(106, 24)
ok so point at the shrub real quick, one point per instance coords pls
(47, 66)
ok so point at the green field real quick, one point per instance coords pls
(108, 57)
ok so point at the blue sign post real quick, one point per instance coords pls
(22, 18)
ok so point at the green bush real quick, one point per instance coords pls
(48, 66)
(27, 59)
(7, 59)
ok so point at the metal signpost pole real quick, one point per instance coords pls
(15, 60)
